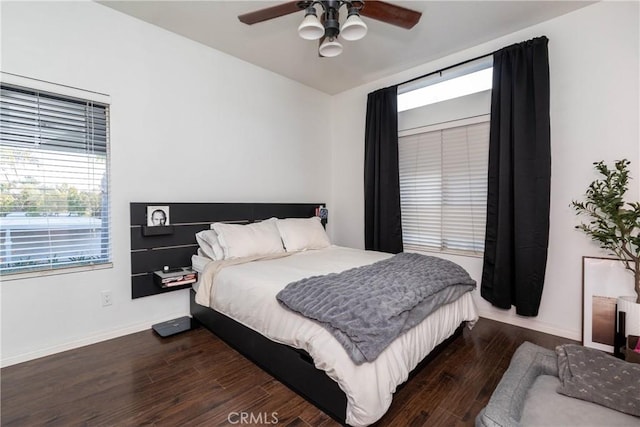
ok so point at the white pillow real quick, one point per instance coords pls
(238, 241)
(208, 242)
(299, 234)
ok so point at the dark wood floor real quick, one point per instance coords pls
(196, 379)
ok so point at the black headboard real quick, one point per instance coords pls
(152, 249)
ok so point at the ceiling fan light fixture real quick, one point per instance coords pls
(330, 21)
(353, 28)
(326, 27)
(310, 28)
(330, 48)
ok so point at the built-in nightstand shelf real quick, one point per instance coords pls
(175, 278)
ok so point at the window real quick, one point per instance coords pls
(456, 87)
(443, 185)
(443, 152)
(54, 203)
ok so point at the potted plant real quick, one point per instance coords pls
(615, 225)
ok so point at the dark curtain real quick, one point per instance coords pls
(382, 225)
(517, 233)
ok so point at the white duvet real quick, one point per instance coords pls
(246, 293)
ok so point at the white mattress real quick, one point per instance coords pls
(246, 293)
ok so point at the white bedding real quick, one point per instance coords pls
(246, 293)
(199, 262)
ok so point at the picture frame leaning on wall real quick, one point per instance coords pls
(603, 281)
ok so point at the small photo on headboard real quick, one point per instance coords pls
(157, 216)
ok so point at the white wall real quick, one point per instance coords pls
(188, 123)
(594, 70)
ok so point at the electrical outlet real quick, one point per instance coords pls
(106, 298)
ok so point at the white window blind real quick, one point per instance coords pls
(443, 187)
(54, 204)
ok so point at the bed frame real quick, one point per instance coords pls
(293, 367)
(173, 245)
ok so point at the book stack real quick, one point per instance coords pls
(175, 277)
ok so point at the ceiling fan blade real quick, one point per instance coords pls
(391, 14)
(269, 13)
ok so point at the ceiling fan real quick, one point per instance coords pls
(327, 28)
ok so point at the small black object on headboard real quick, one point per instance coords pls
(157, 230)
(174, 244)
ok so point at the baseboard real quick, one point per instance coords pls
(499, 317)
(93, 339)
(531, 323)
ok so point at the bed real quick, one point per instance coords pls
(239, 305)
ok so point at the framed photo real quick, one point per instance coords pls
(157, 216)
(603, 281)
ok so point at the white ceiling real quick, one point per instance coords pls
(445, 28)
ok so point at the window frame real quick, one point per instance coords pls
(72, 94)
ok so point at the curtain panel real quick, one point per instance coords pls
(519, 176)
(382, 222)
